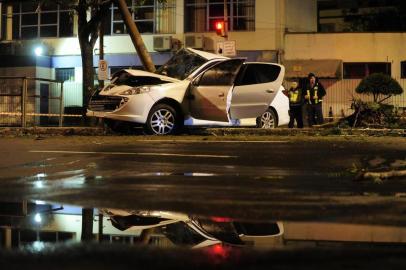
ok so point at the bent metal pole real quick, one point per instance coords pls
(135, 36)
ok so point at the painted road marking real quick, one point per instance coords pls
(133, 154)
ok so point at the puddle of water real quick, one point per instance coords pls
(67, 179)
(34, 224)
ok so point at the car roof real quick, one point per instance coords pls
(207, 55)
(267, 63)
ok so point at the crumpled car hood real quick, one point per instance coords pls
(143, 73)
(113, 89)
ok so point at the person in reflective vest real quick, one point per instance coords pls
(295, 95)
(313, 99)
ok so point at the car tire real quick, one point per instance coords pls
(163, 119)
(267, 120)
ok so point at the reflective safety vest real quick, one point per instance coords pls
(309, 99)
(315, 96)
(294, 96)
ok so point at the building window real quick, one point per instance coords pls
(65, 74)
(361, 70)
(150, 17)
(201, 15)
(30, 21)
(403, 69)
(361, 16)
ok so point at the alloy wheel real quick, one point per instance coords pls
(162, 122)
(267, 120)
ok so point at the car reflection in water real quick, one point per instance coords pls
(196, 232)
(38, 224)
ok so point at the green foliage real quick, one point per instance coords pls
(378, 85)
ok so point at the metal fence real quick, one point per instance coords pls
(340, 94)
(28, 101)
(41, 102)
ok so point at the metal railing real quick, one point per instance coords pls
(340, 94)
(28, 101)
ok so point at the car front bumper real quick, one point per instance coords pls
(130, 108)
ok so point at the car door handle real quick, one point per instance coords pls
(270, 91)
(221, 95)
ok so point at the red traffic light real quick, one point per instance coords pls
(219, 26)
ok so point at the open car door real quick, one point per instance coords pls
(255, 88)
(208, 92)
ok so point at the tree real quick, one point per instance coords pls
(379, 85)
(88, 33)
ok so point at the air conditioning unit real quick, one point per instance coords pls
(162, 43)
(194, 41)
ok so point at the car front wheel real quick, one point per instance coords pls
(162, 120)
(267, 119)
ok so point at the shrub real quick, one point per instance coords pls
(379, 85)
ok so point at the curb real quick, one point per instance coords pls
(305, 132)
(99, 131)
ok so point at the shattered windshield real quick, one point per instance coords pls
(181, 65)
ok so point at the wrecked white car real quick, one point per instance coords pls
(192, 88)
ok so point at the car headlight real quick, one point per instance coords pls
(136, 90)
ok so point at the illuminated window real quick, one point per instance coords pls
(31, 21)
(150, 17)
(201, 15)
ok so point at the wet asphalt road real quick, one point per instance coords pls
(280, 178)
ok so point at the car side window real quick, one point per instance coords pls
(221, 74)
(259, 73)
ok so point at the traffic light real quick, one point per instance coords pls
(220, 29)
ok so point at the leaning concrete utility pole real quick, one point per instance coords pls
(135, 36)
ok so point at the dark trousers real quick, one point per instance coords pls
(295, 113)
(315, 114)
